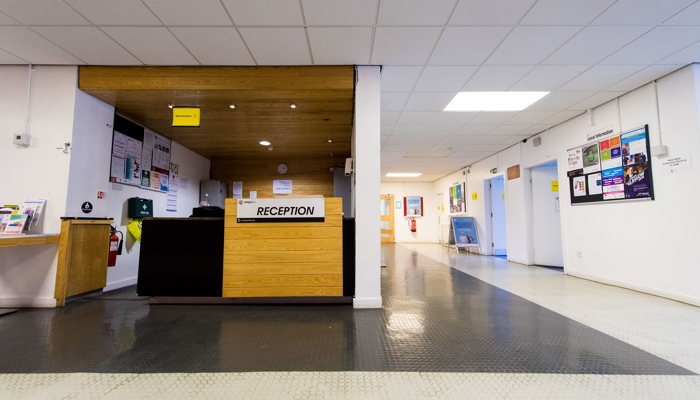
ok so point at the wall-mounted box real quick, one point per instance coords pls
(140, 208)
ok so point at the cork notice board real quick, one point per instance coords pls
(514, 172)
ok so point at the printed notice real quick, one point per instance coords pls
(591, 159)
(595, 184)
(579, 186)
(676, 165)
(575, 160)
(282, 186)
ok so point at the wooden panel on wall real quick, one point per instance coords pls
(309, 176)
(269, 260)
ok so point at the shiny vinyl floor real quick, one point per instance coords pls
(452, 326)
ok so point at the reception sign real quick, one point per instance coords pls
(281, 210)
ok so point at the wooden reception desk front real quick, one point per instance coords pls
(283, 259)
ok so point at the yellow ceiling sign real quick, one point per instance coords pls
(185, 116)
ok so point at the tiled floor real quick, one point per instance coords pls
(452, 327)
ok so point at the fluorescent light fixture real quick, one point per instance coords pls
(265, 142)
(403, 174)
(493, 101)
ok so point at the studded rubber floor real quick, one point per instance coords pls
(435, 319)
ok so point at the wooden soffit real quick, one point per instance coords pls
(323, 96)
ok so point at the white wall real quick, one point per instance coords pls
(642, 245)
(90, 163)
(366, 183)
(427, 225)
(28, 274)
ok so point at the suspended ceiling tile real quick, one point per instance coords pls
(490, 78)
(546, 78)
(658, 44)
(421, 118)
(594, 43)
(599, 77)
(528, 45)
(89, 44)
(492, 12)
(214, 45)
(386, 129)
(414, 12)
(456, 118)
(389, 117)
(430, 129)
(186, 12)
(5, 20)
(560, 100)
(643, 77)
(110, 12)
(534, 129)
(42, 12)
(506, 130)
(529, 117)
(277, 46)
(7, 58)
(416, 139)
(340, 12)
(565, 12)
(340, 46)
(399, 79)
(688, 16)
(407, 46)
(429, 101)
(151, 45)
(393, 101)
(686, 56)
(28, 45)
(640, 12)
(566, 115)
(476, 129)
(264, 12)
(444, 79)
(461, 140)
(492, 118)
(467, 45)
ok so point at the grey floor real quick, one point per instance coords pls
(435, 319)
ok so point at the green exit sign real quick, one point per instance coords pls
(494, 170)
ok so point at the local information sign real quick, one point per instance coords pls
(282, 210)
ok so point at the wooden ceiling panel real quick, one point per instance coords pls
(324, 98)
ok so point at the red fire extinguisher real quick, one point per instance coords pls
(412, 224)
(115, 246)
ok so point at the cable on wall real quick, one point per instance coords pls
(29, 100)
(658, 111)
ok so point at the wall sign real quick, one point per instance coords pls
(464, 229)
(413, 206)
(186, 117)
(616, 168)
(281, 210)
(282, 186)
(86, 207)
(513, 172)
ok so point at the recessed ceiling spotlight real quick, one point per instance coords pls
(170, 106)
(493, 101)
(265, 142)
(231, 106)
(330, 140)
(403, 174)
(293, 106)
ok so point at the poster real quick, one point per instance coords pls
(282, 186)
(616, 168)
(140, 157)
(464, 229)
(456, 199)
(413, 206)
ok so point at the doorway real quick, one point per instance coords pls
(546, 218)
(386, 217)
(497, 204)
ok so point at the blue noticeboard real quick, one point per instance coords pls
(464, 229)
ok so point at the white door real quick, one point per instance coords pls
(546, 225)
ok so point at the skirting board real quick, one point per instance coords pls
(120, 284)
(37, 302)
(367, 302)
(643, 289)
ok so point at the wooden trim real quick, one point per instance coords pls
(28, 240)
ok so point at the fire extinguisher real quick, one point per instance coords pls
(412, 224)
(115, 246)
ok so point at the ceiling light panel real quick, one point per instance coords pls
(493, 101)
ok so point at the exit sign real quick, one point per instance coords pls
(494, 170)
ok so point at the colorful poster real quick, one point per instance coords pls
(575, 160)
(464, 229)
(613, 184)
(595, 184)
(456, 199)
(610, 153)
(579, 186)
(414, 206)
(637, 170)
(591, 158)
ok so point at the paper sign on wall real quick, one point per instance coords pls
(555, 186)
(282, 186)
(475, 196)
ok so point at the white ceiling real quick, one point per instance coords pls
(585, 51)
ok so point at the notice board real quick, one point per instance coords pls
(140, 157)
(616, 168)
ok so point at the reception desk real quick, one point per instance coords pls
(236, 260)
(283, 259)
